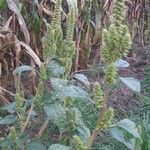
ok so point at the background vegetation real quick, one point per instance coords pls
(59, 65)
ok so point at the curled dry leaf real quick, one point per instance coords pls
(46, 11)
(12, 4)
(5, 29)
(31, 53)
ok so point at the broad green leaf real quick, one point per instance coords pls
(122, 63)
(56, 113)
(54, 68)
(129, 126)
(127, 133)
(119, 136)
(35, 145)
(131, 83)
(58, 83)
(82, 78)
(8, 120)
(59, 147)
(72, 91)
(21, 69)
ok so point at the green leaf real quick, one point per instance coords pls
(58, 83)
(82, 79)
(59, 147)
(72, 91)
(21, 69)
(8, 120)
(54, 68)
(122, 63)
(131, 83)
(35, 145)
(129, 126)
(119, 136)
(127, 133)
(56, 113)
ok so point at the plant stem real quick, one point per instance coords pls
(43, 128)
(95, 131)
(28, 118)
(101, 115)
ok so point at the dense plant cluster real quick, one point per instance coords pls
(64, 110)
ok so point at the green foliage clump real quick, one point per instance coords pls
(115, 41)
(71, 117)
(118, 12)
(13, 138)
(98, 95)
(38, 99)
(54, 34)
(19, 102)
(79, 145)
(111, 73)
(65, 103)
(54, 44)
(106, 121)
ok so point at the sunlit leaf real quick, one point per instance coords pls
(122, 63)
(59, 147)
(131, 83)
